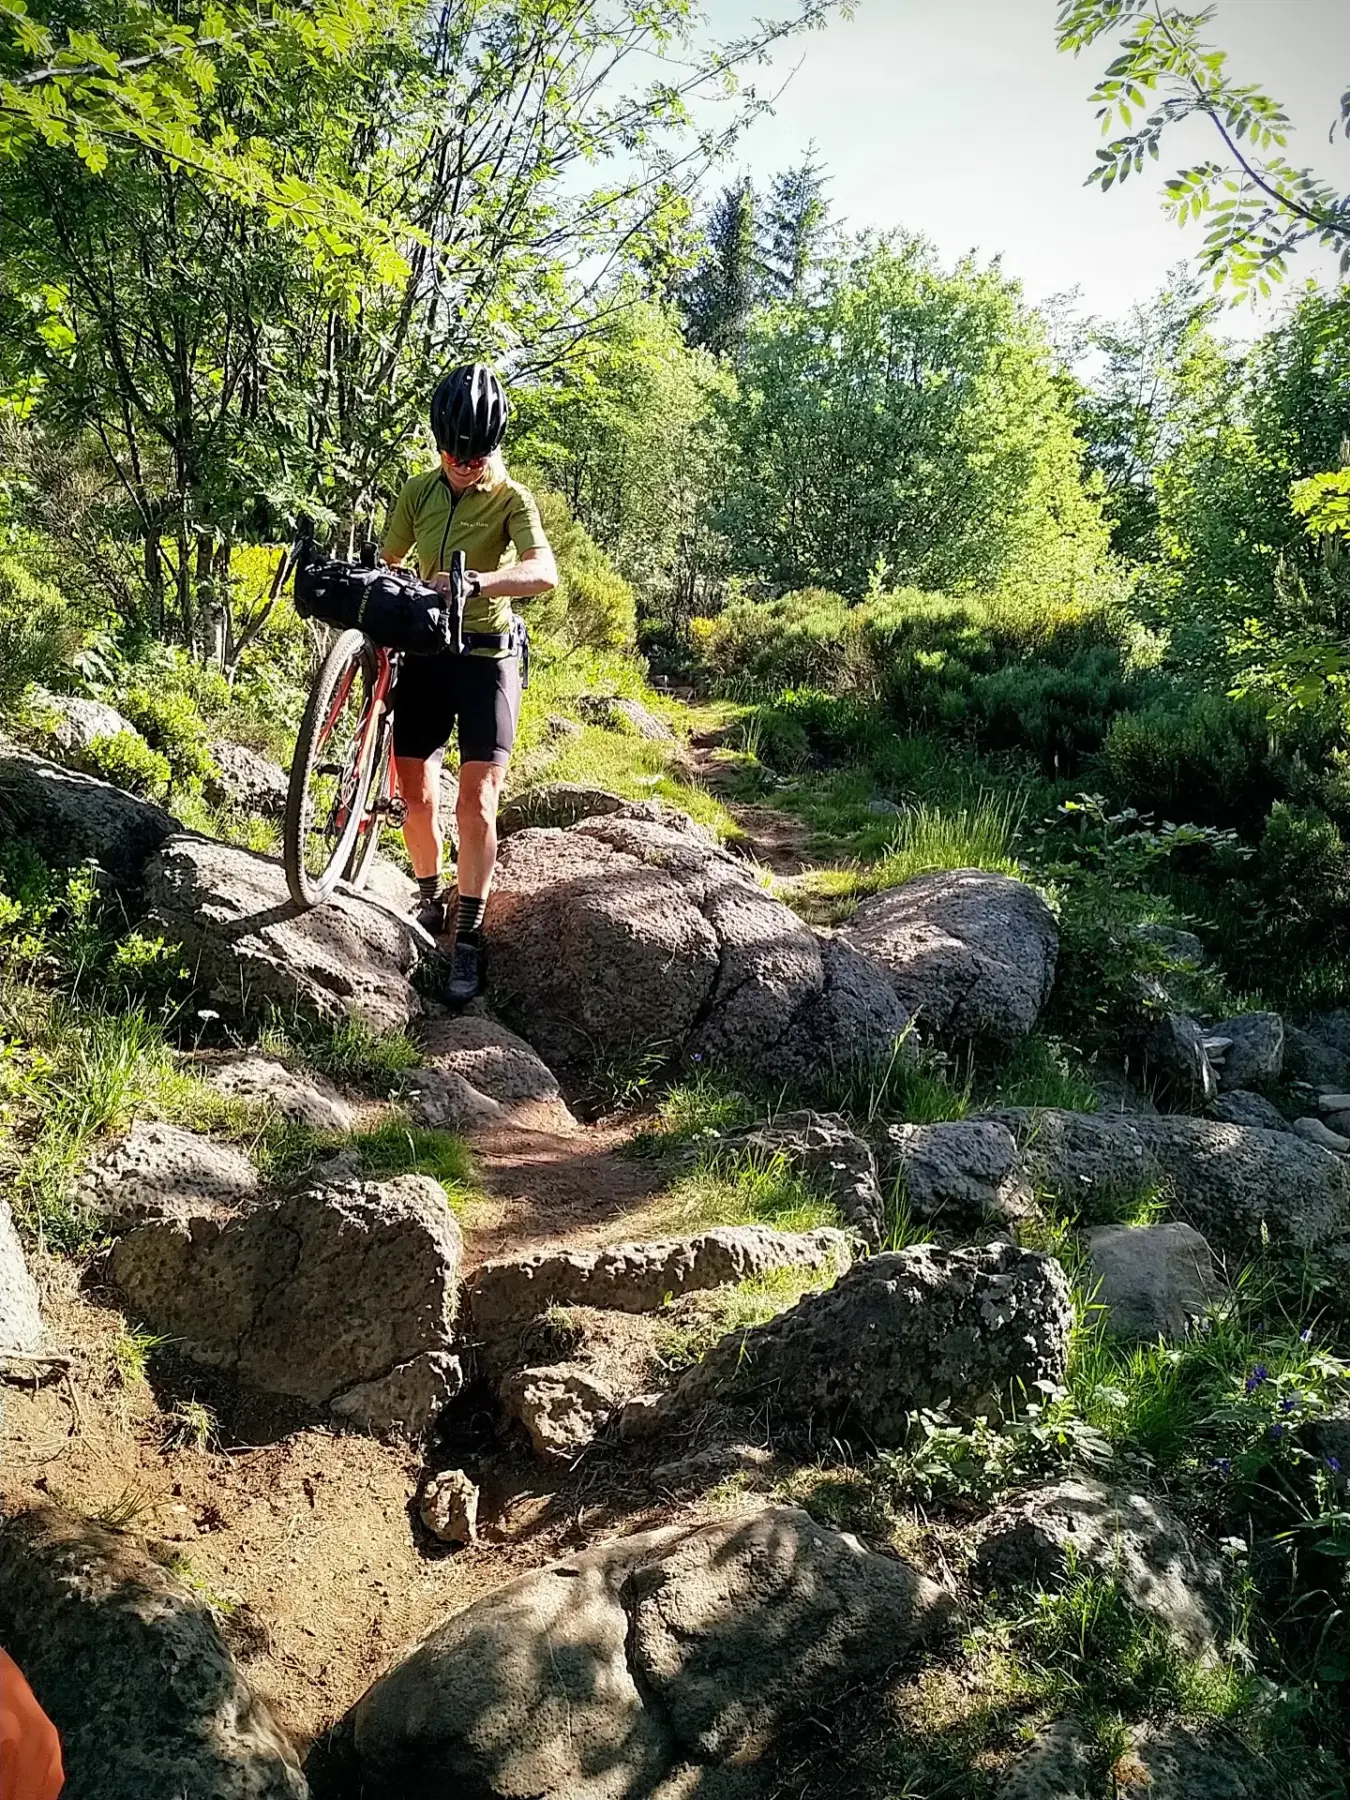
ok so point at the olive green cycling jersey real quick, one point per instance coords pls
(491, 527)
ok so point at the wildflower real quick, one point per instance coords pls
(1277, 1432)
(1334, 1464)
(1221, 1464)
(697, 1056)
(1289, 1402)
(1258, 1375)
(1305, 1336)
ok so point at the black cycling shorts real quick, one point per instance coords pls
(479, 693)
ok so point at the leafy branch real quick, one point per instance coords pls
(1258, 207)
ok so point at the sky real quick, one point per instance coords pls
(959, 119)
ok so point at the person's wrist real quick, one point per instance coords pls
(473, 583)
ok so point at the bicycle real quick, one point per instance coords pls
(342, 787)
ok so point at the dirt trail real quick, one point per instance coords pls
(774, 838)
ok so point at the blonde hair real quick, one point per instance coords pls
(494, 473)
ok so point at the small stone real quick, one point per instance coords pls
(563, 1407)
(703, 1467)
(1044, 1536)
(1174, 1049)
(964, 1171)
(617, 713)
(302, 1098)
(1333, 1103)
(245, 779)
(449, 1507)
(1179, 946)
(885, 809)
(1313, 1131)
(20, 1322)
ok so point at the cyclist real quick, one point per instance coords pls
(467, 503)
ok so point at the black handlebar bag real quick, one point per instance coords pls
(396, 611)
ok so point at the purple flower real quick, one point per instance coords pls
(1305, 1336)
(1277, 1432)
(1288, 1404)
(697, 1057)
(1220, 1463)
(1334, 1464)
(1257, 1376)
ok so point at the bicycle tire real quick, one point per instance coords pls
(363, 851)
(350, 657)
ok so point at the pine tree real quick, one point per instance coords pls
(795, 230)
(726, 285)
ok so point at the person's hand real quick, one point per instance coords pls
(30, 1752)
(441, 583)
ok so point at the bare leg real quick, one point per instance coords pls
(419, 785)
(480, 792)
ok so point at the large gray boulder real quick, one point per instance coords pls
(505, 1295)
(1165, 1762)
(20, 1320)
(132, 1670)
(965, 1172)
(970, 954)
(263, 1082)
(1231, 1182)
(1155, 1281)
(621, 937)
(251, 948)
(476, 1072)
(830, 1156)
(1255, 1054)
(312, 1297)
(966, 1330)
(160, 1171)
(245, 779)
(1079, 1526)
(71, 723)
(71, 818)
(662, 1665)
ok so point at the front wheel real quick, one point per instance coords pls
(380, 805)
(331, 771)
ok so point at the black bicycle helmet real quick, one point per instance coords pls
(469, 412)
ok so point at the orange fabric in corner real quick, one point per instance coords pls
(30, 1751)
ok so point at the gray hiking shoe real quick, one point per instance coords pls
(468, 972)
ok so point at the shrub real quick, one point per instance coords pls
(130, 763)
(592, 604)
(169, 719)
(1213, 761)
(37, 636)
(1060, 713)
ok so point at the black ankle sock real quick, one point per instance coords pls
(470, 917)
(429, 886)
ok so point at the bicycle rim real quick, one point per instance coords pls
(368, 827)
(330, 775)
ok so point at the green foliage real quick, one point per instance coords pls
(727, 1188)
(1323, 503)
(850, 495)
(37, 635)
(350, 1050)
(1199, 758)
(169, 719)
(592, 604)
(944, 1464)
(1257, 207)
(125, 759)
(979, 836)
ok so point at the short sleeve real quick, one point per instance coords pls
(523, 525)
(399, 535)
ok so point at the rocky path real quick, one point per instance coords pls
(774, 838)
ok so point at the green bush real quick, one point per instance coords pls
(1202, 758)
(170, 720)
(1061, 714)
(37, 635)
(592, 604)
(130, 763)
